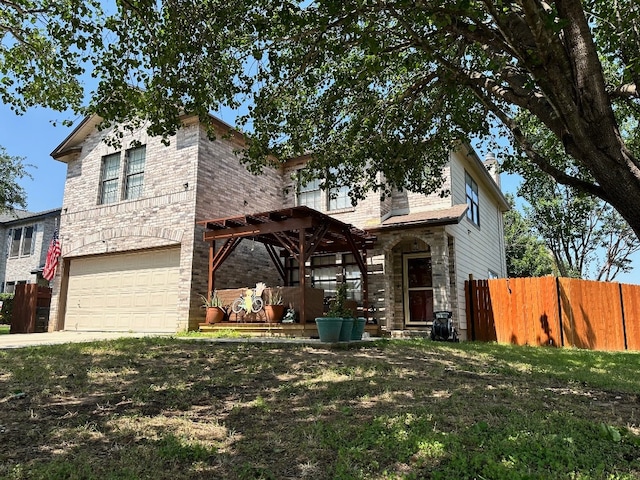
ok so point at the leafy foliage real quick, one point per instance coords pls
(12, 195)
(527, 255)
(380, 92)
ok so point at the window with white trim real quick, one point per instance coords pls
(134, 179)
(473, 210)
(16, 238)
(110, 178)
(21, 241)
(309, 194)
(339, 198)
(27, 241)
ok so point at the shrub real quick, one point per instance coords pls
(7, 307)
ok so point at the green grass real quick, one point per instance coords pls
(4, 329)
(177, 408)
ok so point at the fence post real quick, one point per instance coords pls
(624, 321)
(470, 302)
(559, 299)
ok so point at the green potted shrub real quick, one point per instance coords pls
(274, 306)
(330, 327)
(215, 309)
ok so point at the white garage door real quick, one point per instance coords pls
(124, 292)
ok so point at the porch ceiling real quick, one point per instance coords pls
(281, 229)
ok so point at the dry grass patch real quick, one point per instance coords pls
(174, 409)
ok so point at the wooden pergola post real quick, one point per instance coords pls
(302, 272)
(212, 274)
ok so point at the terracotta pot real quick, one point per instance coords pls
(274, 313)
(214, 315)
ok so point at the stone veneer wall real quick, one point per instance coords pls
(388, 286)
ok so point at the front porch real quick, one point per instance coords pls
(298, 233)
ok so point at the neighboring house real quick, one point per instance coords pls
(133, 257)
(24, 241)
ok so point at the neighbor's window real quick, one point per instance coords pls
(10, 287)
(16, 236)
(109, 178)
(309, 194)
(27, 241)
(473, 212)
(134, 180)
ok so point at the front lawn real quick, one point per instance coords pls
(180, 408)
(4, 329)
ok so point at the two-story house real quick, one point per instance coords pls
(133, 256)
(24, 240)
(426, 246)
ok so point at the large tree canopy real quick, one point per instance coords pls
(376, 86)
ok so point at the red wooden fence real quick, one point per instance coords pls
(30, 308)
(554, 311)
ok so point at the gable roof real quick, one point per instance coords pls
(20, 216)
(430, 218)
(72, 144)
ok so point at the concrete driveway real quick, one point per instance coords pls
(19, 340)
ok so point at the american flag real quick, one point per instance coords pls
(52, 258)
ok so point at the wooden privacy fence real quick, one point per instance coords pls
(30, 309)
(554, 311)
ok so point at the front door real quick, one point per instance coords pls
(418, 289)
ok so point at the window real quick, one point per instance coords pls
(309, 194)
(353, 277)
(109, 178)
(10, 287)
(21, 241)
(134, 180)
(323, 274)
(339, 198)
(473, 212)
(16, 236)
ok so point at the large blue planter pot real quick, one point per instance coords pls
(358, 328)
(329, 329)
(346, 330)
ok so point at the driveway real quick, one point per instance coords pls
(19, 340)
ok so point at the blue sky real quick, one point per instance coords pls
(33, 136)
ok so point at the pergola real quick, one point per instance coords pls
(301, 231)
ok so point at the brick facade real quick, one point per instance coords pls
(195, 178)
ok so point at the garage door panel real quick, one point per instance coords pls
(123, 292)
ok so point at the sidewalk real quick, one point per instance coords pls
(51, 338)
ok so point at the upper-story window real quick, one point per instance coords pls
(112, 189)
(134, 180)
(21, 241)
(109, 183)
(312, 196)
(309, 194)
(473, 210)
(339, 198)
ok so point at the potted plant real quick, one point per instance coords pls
(337, 320)
(215, 309)
(274, 307)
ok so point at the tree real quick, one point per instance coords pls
(11, 193)
(527, 255)
(382, 86)
(587, 238)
